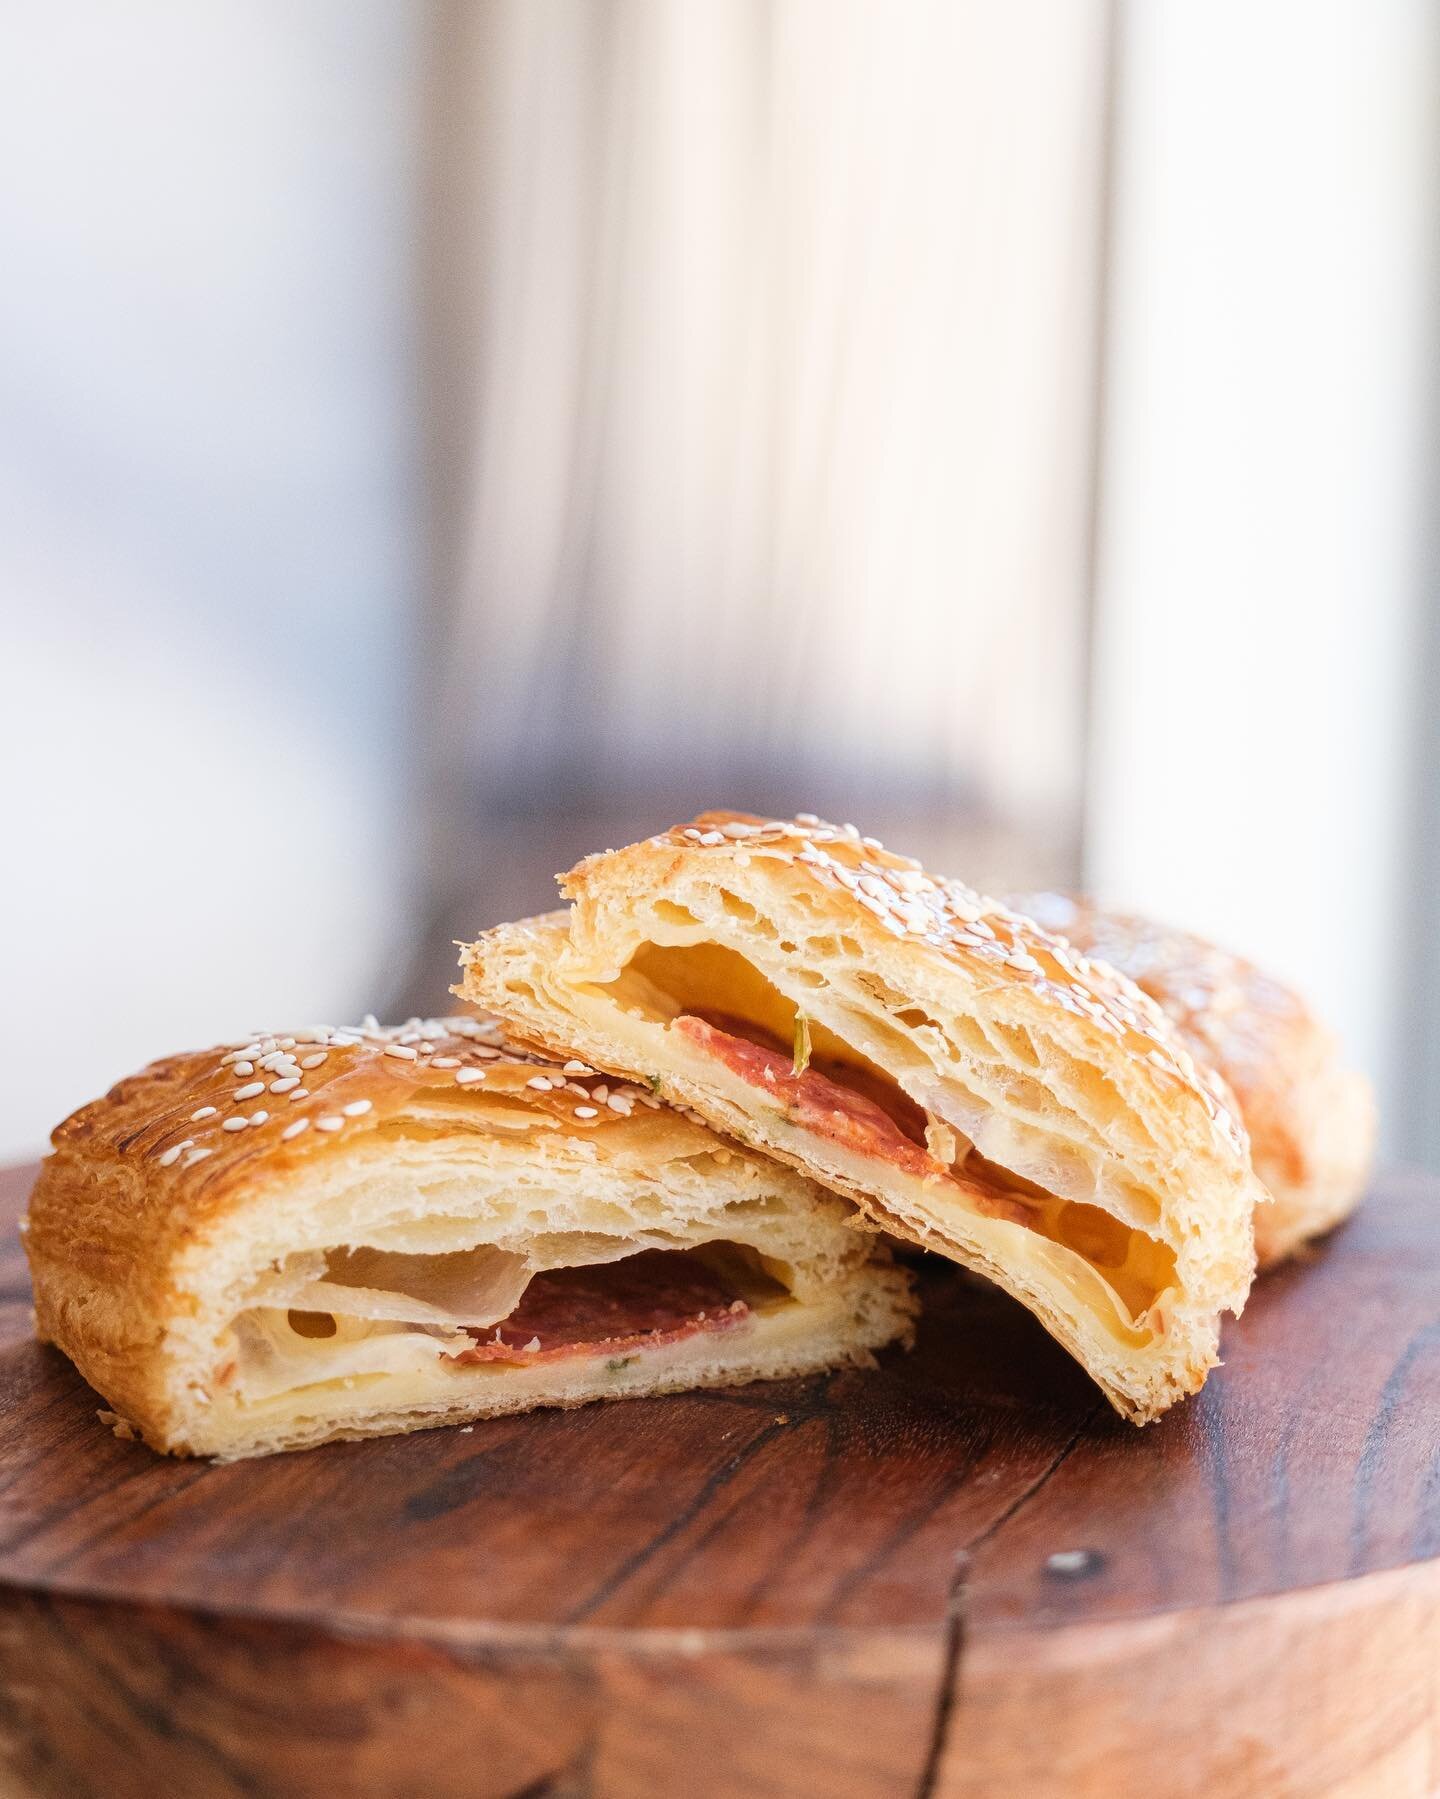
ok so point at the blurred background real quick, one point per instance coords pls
(441, 439)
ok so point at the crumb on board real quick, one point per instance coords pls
(122, 1427)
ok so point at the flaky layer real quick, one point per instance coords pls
(327, 1235)
(1311, 1120)
(971, 1082)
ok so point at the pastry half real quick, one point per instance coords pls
(347, 1233)
(1311, 1120)
(975, 1085)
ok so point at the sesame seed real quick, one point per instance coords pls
(330, 1122)
(284, 1085)
(258, 1117)
(315, 1060)
(248, 1092)
(446, 1062)
(484, 1049)
(578, 1068)
(617, 1102)
(204, 1112)
(539, 1082)
(299, 1093)
(233, 1124)
(602, 1092)
(587, 1111)
(357, 1108)
(170, 1156)
(197, 1155)
(711, 838)
(243, 1068)
(294, 1130)
(806, 818)
(464, 1076)
(401, 1051)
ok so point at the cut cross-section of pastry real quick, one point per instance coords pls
(1311, 1119)
(348, 1233)
(973, 1084)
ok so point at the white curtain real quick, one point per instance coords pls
(768, 347)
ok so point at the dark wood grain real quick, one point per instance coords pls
(840, 1584)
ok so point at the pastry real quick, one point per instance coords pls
(347, 1233)
(1311, 1120)
(972, 1083)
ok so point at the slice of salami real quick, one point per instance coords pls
(655, 1297)
(813, 1100)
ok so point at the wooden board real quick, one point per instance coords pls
(839, 1586)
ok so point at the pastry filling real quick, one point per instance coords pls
(640, 1300)
(643, 1302)
(730, 1015)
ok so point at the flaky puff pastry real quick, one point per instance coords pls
(1311, 1120)
(348, 1233)
(975, 1085)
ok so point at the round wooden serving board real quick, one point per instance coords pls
(838, 1586)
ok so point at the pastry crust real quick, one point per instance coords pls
(326, 1234)
(1311, 1120)
(971, 1082)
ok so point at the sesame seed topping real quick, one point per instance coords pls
(402, 1051)
(587, 1111)
(464, 1076)
(539, 1082)
(203, 1112)
(578, 1068)
(294, 1130)
(248, 1092)
(258, 1117)
(284, 1085)
(446, 1062)
(243, 1068)
(233, 1124)
(299, 1093)
(330, 1122)
(197, 1155)
(357, 1108)
(315, 1060)
(171, 1156)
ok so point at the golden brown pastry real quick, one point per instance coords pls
(1311, 1120)
(347, 1233)
(975, 1085)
